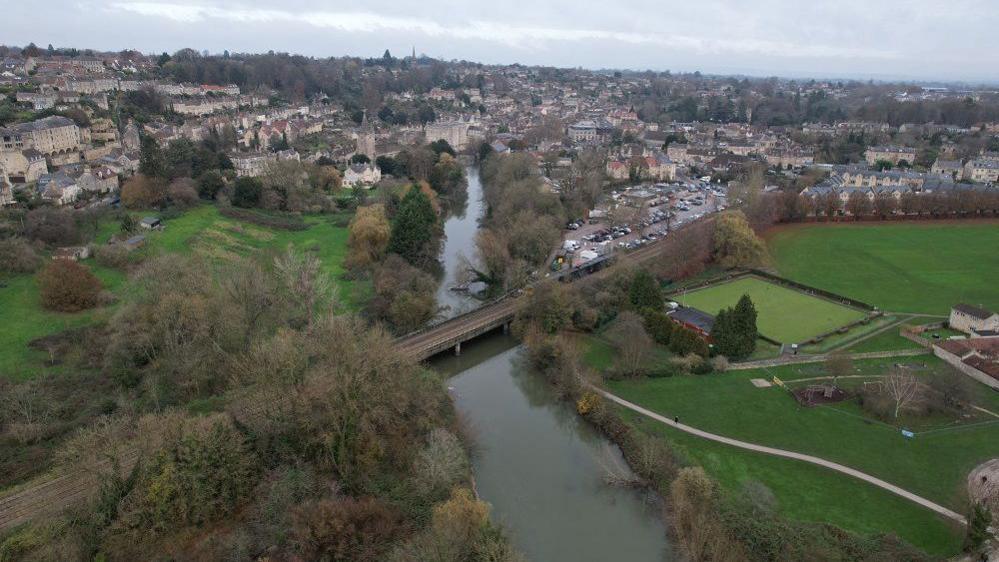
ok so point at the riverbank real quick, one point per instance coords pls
(545, 469)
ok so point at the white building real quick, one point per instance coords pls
(362, 174)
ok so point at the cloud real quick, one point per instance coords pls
(516, 36)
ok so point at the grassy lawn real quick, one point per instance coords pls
(202, 231)
(809, 493)
(841, 341)
(902, 267)
(205, 232)
(23, 319)
(934, 464)
(889, 340)
(784, 314)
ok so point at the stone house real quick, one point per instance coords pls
(893, 154)
(973, 319)
(362, 174)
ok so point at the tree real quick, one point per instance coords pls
(209, 184)
(67, 286)
(859, 204)
(151, 160)
(659, 326)
(55, 227)
(18, 256)
(734, 331)
(902, 387)
(736, 245)
(885, 204)
(882, 165)
(246, 192)
(644, 292)
(369, 236)
(838, 364)
(182, 193)
(404, 295)
(143, 192)
(344, 529)
(413, 228)
(387, 165)
(634, 346)
(978, 526)
(360, 158)
(441, 146)
(305, 281)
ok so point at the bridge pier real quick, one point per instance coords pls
(457, 349)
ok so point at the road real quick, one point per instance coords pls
(939, 509)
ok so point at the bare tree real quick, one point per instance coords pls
(902, 387)
(305, 280)
(633, 344)
(838, 364)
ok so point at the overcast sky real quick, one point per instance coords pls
(892, 39)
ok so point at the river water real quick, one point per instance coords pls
(542, 468)
(459, 245)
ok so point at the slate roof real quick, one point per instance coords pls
(973, 311)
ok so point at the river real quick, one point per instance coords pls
(459, 243)
(542, 467)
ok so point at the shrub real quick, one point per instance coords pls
(142, 192)
(344, 529)
(67, 286)
(183, 193)
(112, 255)
(18, 256)
(246, 192)
(55, 227)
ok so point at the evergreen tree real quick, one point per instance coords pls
(413, 227)
(644, 292)
(727, 340)
(734, 331)
(745, 319)
(151, 161)
(659, 326)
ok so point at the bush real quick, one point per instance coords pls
(344, 529)
(67, 286)
(55, 227)
(143, 192)
(18, 256)
(112, 255)
(246, 192)
(183, 193)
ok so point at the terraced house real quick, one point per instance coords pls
(51, 136)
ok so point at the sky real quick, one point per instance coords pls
(920, 40)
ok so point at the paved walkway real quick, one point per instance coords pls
(788, 454)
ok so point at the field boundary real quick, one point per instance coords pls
(733, 275)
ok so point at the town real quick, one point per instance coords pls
(266, 306)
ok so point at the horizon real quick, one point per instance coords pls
(833, 41)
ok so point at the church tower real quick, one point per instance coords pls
(366, 138)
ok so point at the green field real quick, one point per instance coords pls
(934, 464)
(784, 314)
(201, 231)
(906, 267)
(806, 492)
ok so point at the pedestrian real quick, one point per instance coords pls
(676, 419)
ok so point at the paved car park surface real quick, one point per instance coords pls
(648, 212)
